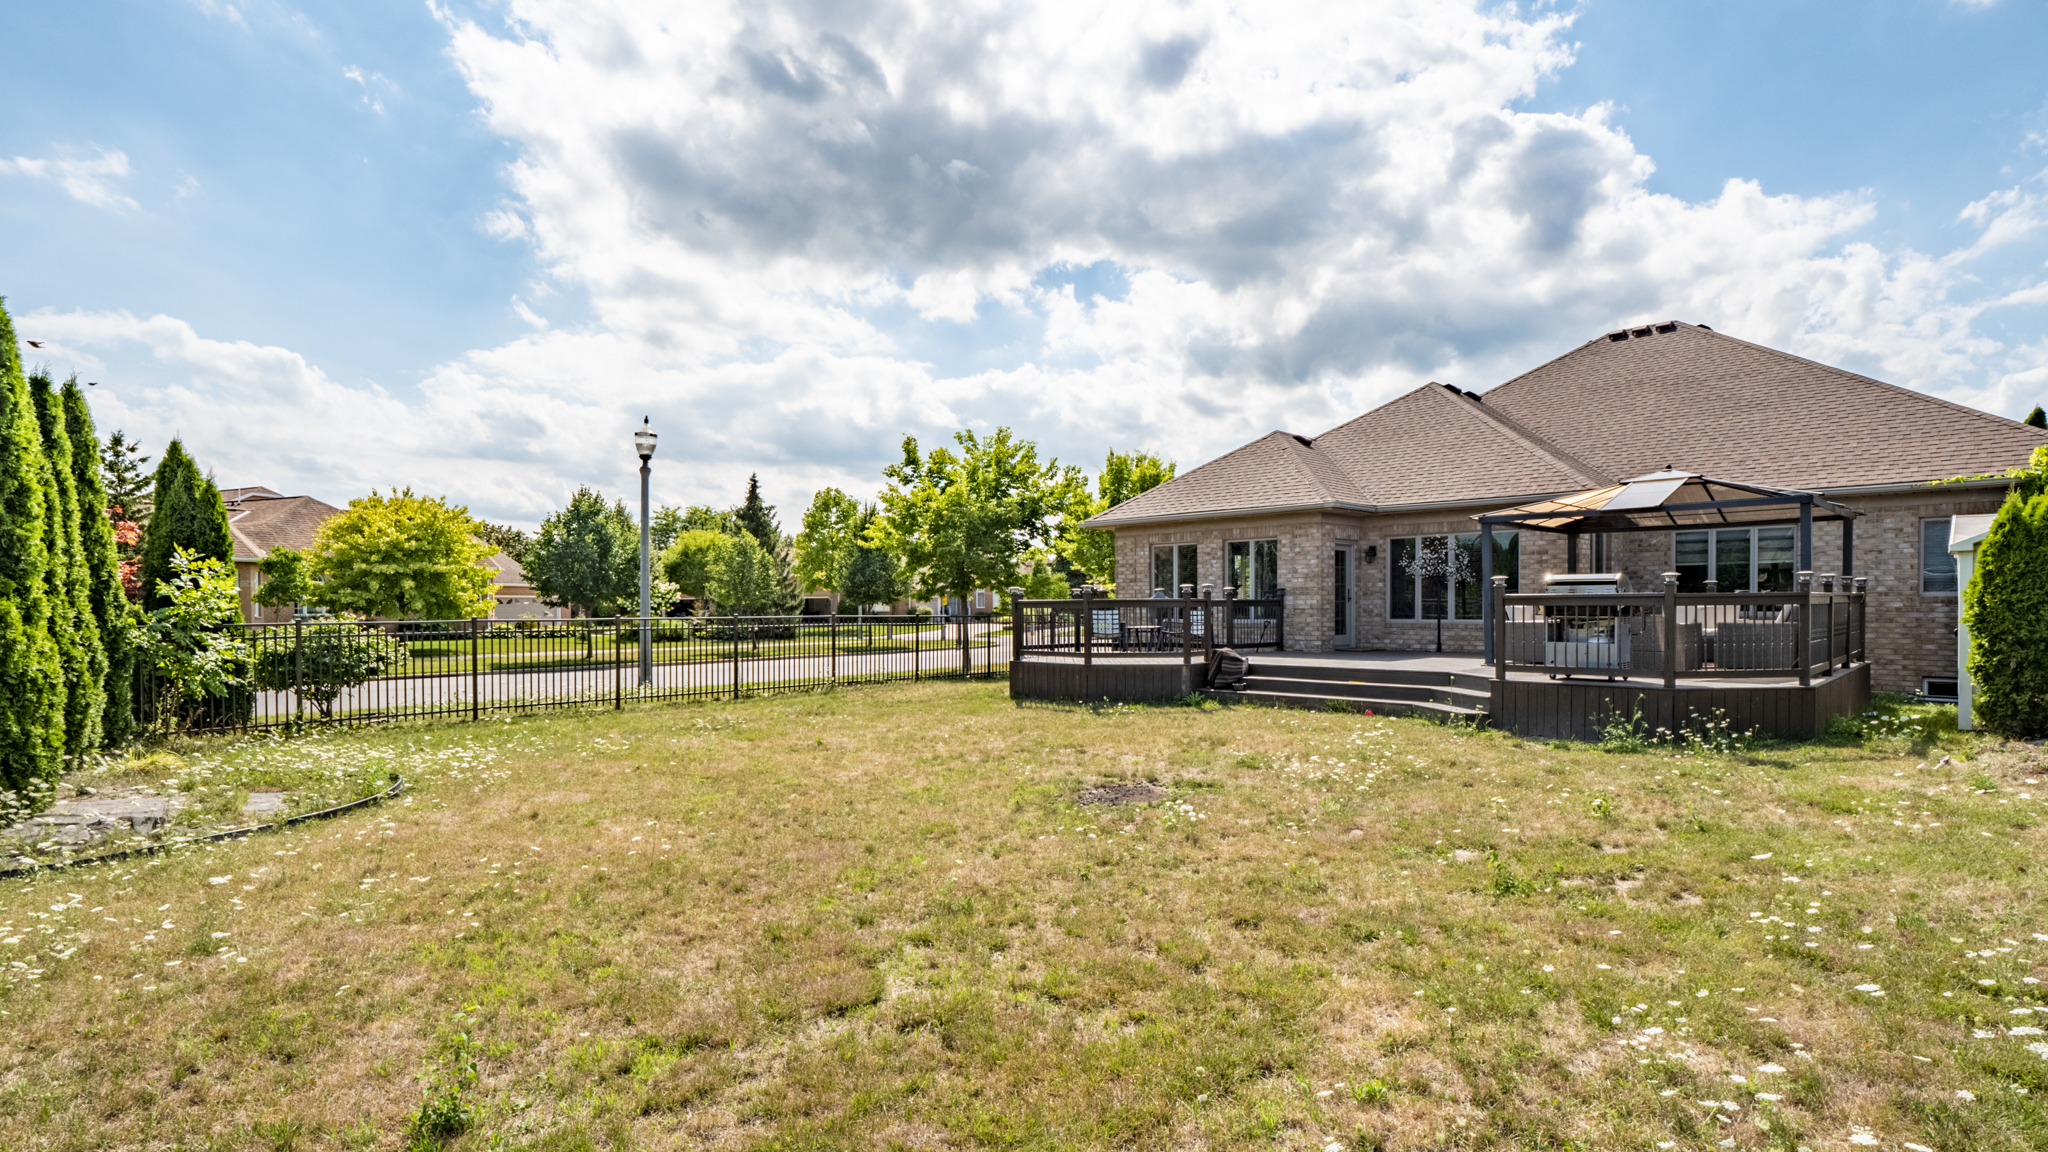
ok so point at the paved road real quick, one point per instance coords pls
(451, 693)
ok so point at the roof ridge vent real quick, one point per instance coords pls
(1668, 326)
(1305, 441)
(1618, 337)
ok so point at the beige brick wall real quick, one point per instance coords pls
(1910, 636)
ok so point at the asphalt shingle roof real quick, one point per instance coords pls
(1664, 395)
(259, 524)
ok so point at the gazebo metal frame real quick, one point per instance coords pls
(1662, 502)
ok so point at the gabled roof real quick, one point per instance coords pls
(1665, 395)
(1679, 395)
(1273, 473)
(258, 525)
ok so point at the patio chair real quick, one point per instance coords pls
(1109, 627)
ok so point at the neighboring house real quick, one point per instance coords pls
(1339, 520)
(515, 598)
(259, 520)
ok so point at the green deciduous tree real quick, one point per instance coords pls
(2006, 609)
(757, 519)
(128, 482)
(72, 623)
(1124, 475)
(187, 513)
(663, 527)
(963, 521)
(287, 580)
(705, 518)
(743, 577)
(31, 675)
(112, 612)
(687, 560)
(402, 556)
(830, 524)
(505, 538)
(587, 556)
(867, 573)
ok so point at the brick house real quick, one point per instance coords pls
(1344, 521)
(259, 520)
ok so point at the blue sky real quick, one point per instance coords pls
(465, 247)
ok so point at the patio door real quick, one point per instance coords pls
(1343, 596)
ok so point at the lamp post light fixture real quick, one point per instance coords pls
(643, 443)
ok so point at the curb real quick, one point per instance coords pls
(397, 786)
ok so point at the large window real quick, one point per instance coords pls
(1438, 577)
(1254, 568)
(1937, 565)
(1172, 566)
(1736, 559)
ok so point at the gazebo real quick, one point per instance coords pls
(1662, 502)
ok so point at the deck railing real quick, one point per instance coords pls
(1186, 628)
(1806, 633)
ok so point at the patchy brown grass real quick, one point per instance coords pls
(878, 919)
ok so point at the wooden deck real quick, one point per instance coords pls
(1526, 703)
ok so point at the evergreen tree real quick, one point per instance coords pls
(110, 609)
(72, 625)
(128, 484)
(2037, 417)
(187, 513)
(2006, 608)
(757, 519)
(31, 676)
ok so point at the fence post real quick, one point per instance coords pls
(618, 670)
(299, 670)
(1209, 624)
(1499, 592)
(1087, 629)
(1230, 616)
(832, 638)
(1670, 635)
(966, 653)
(1802, 642)
(734, 618)
(475, 641)
(1280, 625)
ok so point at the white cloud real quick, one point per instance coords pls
(88, 181)
(801, 232)
(374, 86)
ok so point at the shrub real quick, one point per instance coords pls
(2006, 608)
(200, 668)
(31, 675)
(322, 661)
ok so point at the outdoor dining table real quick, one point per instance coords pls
(1146, 637)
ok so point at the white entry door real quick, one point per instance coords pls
(1344, 596)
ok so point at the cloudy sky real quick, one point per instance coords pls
(465, 245)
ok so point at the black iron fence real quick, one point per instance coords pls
(1806, 633)
(309, 672)
(1188, 628)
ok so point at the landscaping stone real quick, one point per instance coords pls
(87, 818)
(264, 804)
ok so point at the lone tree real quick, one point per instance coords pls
(866, 572)
(1092, 551)
(128, 482)
(587, 556)
(2006, 609)
(827, 535)
(111, 610)
(187, 513)
(963, 521)
(404, 557)
(31, 674)
(757, 519)
(72, 623)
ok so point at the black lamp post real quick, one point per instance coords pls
(643, 443)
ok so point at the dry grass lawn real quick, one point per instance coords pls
(877, 919)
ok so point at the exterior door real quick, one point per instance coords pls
(1343, 597)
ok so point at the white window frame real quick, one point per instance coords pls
(1714, 543)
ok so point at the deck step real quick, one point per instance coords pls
(1269, 680)
(1363, 673)
(1377, 706)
